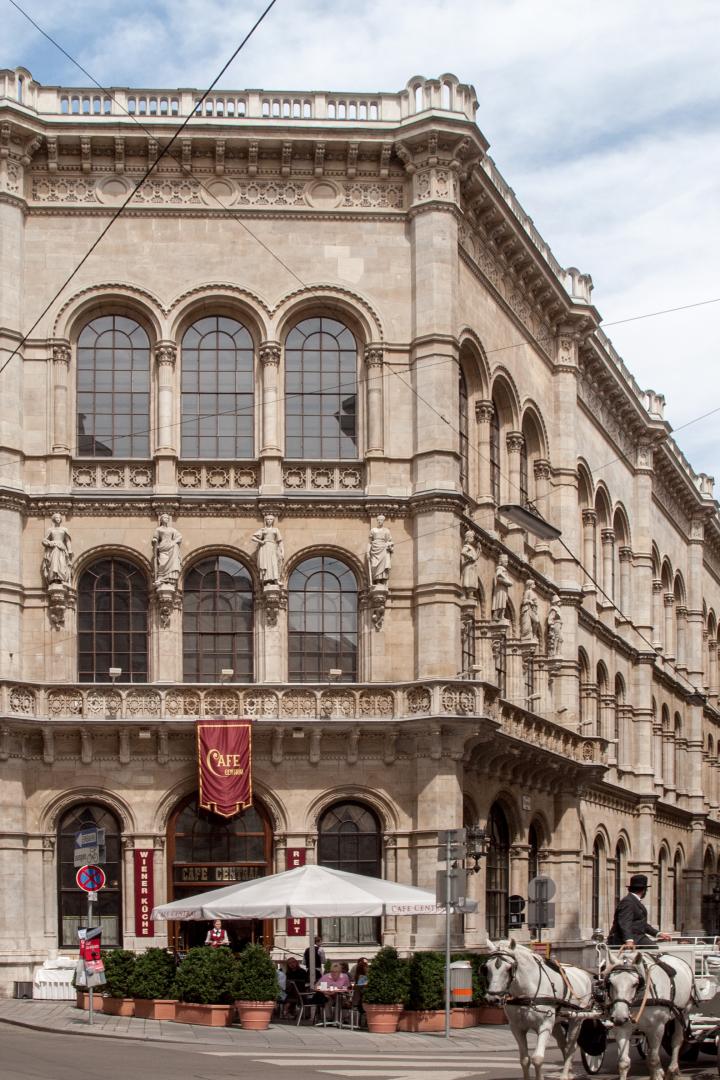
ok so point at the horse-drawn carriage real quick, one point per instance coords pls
(667, 996)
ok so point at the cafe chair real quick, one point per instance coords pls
(301, 1002)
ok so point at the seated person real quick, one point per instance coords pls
(359, 973)
(282, 984)
(333, 981)
(296, 974)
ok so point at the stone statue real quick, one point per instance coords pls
(501, 590)
(554, 627)
(379, 553)
(469, 556)
(529, 618)
(57, 559)
(167, 563)
(270, 553)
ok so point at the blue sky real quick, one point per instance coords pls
(603, 117)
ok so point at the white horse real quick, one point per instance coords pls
(533, 992)
(644, 993)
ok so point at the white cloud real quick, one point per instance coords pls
(603, 118)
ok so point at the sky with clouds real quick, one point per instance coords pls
(603, 117)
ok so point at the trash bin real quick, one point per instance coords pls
(23, 990)
(461, 982)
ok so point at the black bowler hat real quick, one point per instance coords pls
(638, 881)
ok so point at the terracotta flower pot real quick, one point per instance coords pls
(189, 1012)
(492, 1014)
(422, 1020)
(255, 1015)
(462, 1018)
(119, 1006)
(382, 1019)
(155, 1008)
(82, 1000)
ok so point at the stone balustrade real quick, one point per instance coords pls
(295, 704)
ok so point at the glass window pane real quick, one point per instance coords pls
(219, 349)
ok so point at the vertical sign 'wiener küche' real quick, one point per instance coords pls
(224, 750)
(144, 892)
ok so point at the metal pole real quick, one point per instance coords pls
(90, 989)
(447, 938)
(311, 953)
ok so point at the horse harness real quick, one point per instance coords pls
(645, 988)
(556, 1003)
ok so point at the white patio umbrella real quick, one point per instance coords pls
(311, 892)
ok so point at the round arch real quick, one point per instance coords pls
(533, 424)
(111, 551)
(314, 551)
(241, 304)
(120, 299)
(344, 305)
(385, 811)
(506, 399)
(209, 551)
(474, 363)
(50, 814)
(586, 487)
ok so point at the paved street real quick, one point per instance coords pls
(128, 1049)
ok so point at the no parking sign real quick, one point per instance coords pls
(90, 878)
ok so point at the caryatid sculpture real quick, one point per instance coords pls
(270, 554)
(469, 555)
(554, 627)
(58, 556)
(529, 618)
(501, 590)
(167, 563)
(379, 553)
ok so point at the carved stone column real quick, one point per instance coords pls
(271, 654)
(657, 610)
(485, 513)
(49, 886)
(168, 435)
(374, 398)
(624, 600)
(608, 565)
(515, 442)
(712, 669)
(61, 364)
(681, 636)
(167, 637)
(589, 520)
(270, 451)
(669, 642)
(542, 473)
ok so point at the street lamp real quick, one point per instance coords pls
(529, 519)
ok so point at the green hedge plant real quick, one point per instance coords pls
(153, 975)
(119, 968)
(427, 981)
(206, 976)
(256, 976)
(387, 979)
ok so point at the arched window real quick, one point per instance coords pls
(112, 622)
(497, 869)
(598, 870)
(320, 391)
(349, 839)
(217, 390)
(322, 621)
(584, 673)
(533, 851)
(620, 870)
(677, 888)
(463, 430)
(113, 389)
(524, 479)
(679, 771)
(72, 903)
(661, 880)
(218, 621)
(495, 454)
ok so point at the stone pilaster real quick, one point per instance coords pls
(270, 451)
(168, 435)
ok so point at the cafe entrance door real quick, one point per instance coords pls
(208, 852)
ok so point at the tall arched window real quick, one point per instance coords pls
(113, 388)
(495, 454)
(620, 870)
(661, 880)
(218, 621)
(598, 870)
(72, 903)
(218, 414)
(349, 839)
(322, 620)
(497, 870)
(534, 835)
(584, 679)
(463, 430)
(112, 622)
(677, 890)
(320, 391)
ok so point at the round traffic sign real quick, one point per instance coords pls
(90, 878)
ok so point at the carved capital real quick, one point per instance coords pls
(541, 469)
(484, 411)
(61, 352)
(657, 585)
(644, 456)
(669, 599)
(589, 518)
(60, 598)
(165, 353)
(373, 355)
(515, 441)
(269, 353)
(377, 599)
(625, 553)
(274, 599)
(167, 599)
(608, 536)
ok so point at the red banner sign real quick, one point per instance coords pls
(294, 857)
(224, 766)
(144, 892)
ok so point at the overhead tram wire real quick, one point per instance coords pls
(163, 153)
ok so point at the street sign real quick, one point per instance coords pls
(452, 843)
(84, 855)
(541, 888)
(90, 878)
(90, 837)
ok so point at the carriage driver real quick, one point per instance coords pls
(630, 926)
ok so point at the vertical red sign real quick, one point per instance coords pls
(224, 750)
(294, 857)
(144, 892)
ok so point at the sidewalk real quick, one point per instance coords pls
(61, 1017)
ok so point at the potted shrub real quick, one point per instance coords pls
(386, 990)
(256, 988)
(151, 985)
(203, 987)
(119, 965)
(426, 996)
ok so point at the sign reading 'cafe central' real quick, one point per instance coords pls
(224, 750)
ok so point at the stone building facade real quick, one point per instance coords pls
(319, 311)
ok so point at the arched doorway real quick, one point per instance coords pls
(208, 852)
